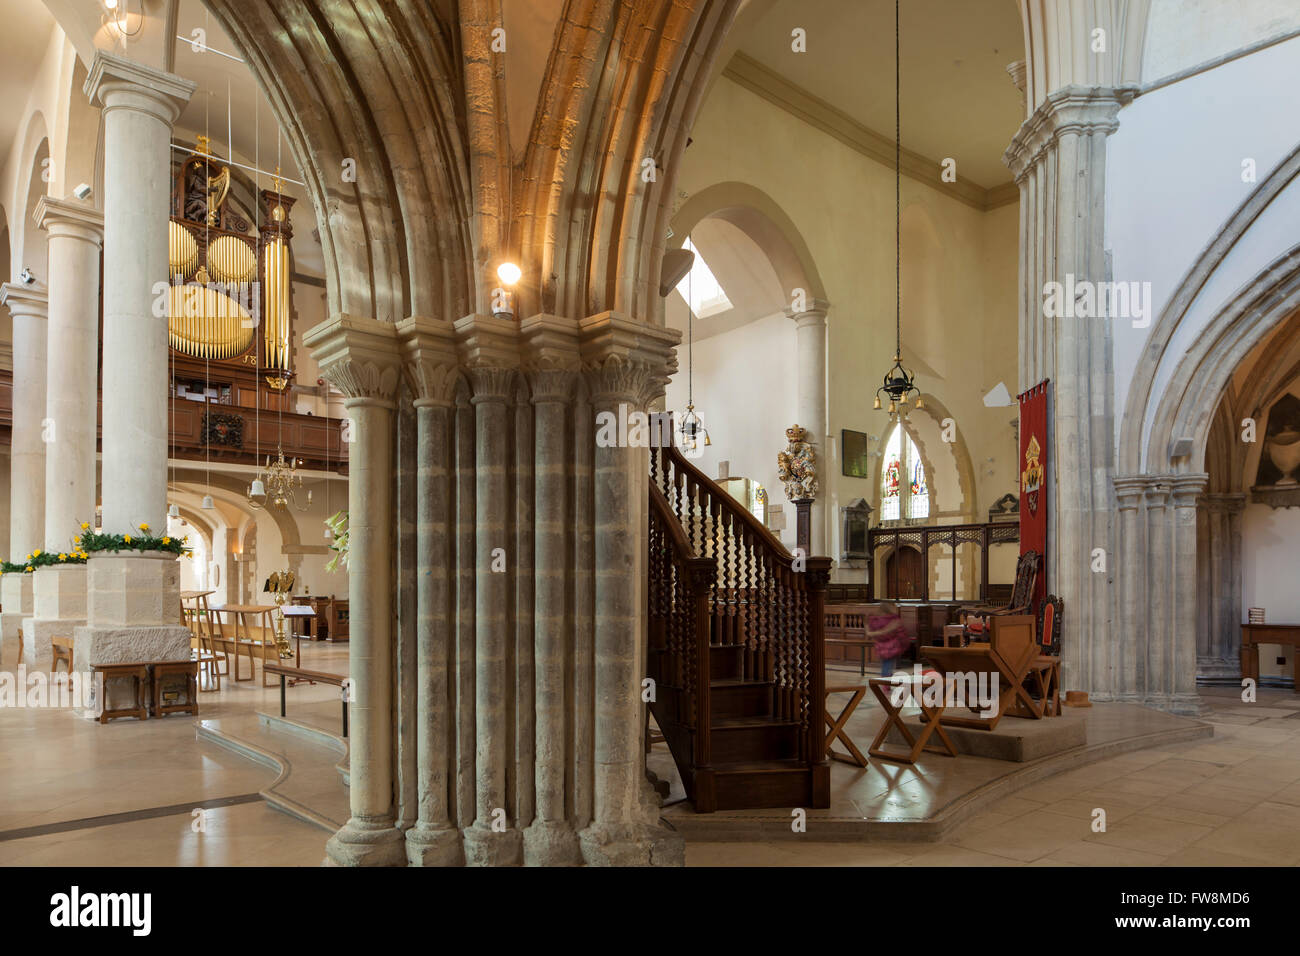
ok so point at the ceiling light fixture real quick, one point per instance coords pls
(691, 428)
(509, 273)
(899, 383)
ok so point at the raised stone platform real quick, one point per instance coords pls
(1015, 739)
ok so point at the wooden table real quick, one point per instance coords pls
(1253, 635)
(241, 614)
(1006, 656)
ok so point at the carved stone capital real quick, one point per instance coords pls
(1188, 488)
(614, 347)
(116, 82)
(71, 220)
(1129, 491)
(358, 356)
(492, 384)
(814, 311)
(552, 384)
(430, 360)
(29, 300)
(618, 381)
(1077, 110)
(550, 341)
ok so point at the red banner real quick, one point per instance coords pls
(1033, 481)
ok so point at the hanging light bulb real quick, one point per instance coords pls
(255, 491)
(208, 503)
(173, 511)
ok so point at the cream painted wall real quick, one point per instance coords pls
(959, 277)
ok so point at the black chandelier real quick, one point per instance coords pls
(690, 428)
(899, 383)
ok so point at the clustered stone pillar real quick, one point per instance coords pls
(59, 592)
(433, 375)
(1153, 660)
(360, 357)
(29, 307)
(810, 338)
(1058, 158)
(550, 840)
(1218, 554)
(530, 592)
(494, 839)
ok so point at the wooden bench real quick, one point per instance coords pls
(139, 672)
(298, 674)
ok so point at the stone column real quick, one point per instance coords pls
(1159, 603)
(1130, 572)
(1058, 158)
(139, 106)
(433, 375)
(28, 306)
(1184, 698)
(494, 839)
(361, 358)
(76, 232)
(1218, 555)
(551, 840)
(810, 338)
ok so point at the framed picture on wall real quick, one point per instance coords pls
(855, 455)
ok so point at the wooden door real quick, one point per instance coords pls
(905, 575)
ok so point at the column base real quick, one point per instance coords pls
(631, 845)
(123, 645)
(551, 844)
(487, 847)
(430, 846)
(1188, 705)
(38, 652)
(366, 844)
(17, 596)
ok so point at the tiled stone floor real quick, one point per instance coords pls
(59, 772)
(1230, 800)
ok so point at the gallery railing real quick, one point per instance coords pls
(924, 537)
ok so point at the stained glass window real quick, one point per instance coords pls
(904, 489)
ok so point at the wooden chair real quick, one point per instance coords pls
(1043, 682)
(1022, 595)
(62, 648)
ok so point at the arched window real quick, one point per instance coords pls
(904, 489)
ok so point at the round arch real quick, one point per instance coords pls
(757, 215)
(26, 240)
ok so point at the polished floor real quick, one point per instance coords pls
(129, 793)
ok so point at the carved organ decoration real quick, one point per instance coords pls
(230, 303)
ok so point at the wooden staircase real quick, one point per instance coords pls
(735, 648)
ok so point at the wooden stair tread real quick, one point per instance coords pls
(742, 723)
(739, 682)
(761, 766)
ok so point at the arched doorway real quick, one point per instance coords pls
(904, 576)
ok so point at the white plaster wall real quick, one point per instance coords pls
(1270, 553)
(745, 393)
(959, 327)
(1185, 33)
(1174, 176)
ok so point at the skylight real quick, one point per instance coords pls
(701, 289)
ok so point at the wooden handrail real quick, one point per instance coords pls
(681, 463)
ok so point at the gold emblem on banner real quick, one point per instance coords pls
(1031, 479)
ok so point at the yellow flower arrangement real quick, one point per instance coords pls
(63, 557)
(126, 538)
(166, 540)
(85, 526)
(144, 528)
